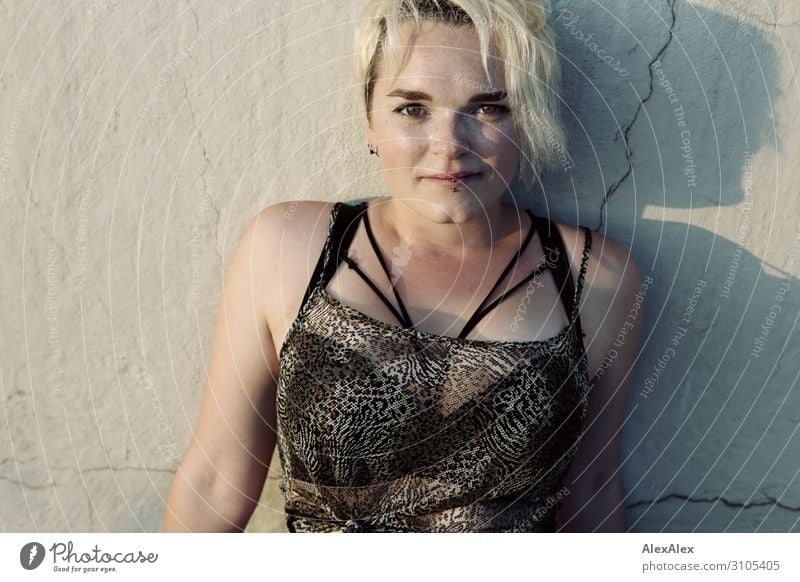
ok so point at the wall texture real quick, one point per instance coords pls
(138, 138)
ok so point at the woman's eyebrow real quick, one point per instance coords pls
(420, 96)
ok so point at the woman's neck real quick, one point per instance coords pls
(449, 233)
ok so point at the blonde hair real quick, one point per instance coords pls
(518, 29)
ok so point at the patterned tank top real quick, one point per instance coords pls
(386, 428)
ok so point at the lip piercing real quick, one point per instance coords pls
(453, 189)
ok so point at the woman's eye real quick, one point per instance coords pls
(492, 109)
(411, 110)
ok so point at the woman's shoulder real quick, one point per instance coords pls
(611, 285)
(293, 217)
(610, 265)
(292, 226)
(287, 240)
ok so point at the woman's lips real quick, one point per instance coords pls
(448, 182)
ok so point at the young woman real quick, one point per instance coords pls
(435, 360)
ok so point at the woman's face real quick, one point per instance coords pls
(440, 115)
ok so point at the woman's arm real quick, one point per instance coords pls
(594, 502)
(221, 475)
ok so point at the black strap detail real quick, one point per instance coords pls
(353, 265)
(406, 319)
(344, 222)
(341, 229)
(562, 271)
(536, 272)
(479, 313)
(290, 519)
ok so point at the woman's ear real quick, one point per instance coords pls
(368, 131)
(367, 123)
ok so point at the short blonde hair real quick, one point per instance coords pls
(518, 29)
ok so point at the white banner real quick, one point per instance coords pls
(414, 556)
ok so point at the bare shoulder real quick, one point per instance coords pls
(290, 236)
(610, 265)
(611, 285)
(283, 221)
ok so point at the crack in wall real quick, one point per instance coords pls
(208, 164)
(198, 131)
(30, 486)
(734, 504)
(209, 196)
(626, 132)
(26, 485)
(112, 468)
(742, 13)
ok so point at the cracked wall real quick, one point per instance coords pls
(136, 143)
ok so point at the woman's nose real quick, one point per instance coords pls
(450, 133)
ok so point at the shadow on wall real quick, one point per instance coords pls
(707, 443)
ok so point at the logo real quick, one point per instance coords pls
(31, 555)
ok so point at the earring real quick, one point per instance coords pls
(373, 150)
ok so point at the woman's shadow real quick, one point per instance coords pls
(707, 442)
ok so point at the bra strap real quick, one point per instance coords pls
(406, 318)
(562, 272)
(341, 229)
(481, 312)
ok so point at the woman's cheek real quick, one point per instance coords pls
(404, 146)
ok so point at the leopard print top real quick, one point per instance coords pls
(386, 428)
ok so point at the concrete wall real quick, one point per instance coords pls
(139, 138)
